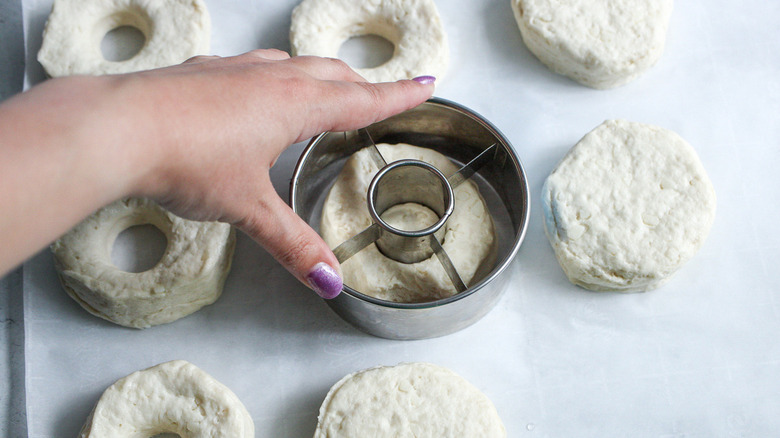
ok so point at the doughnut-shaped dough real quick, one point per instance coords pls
(627, 206)
(320, 27)
(598, 43)
(417, 400)
(469, 235)
(174, 397)
(189, 275)
(175, 30)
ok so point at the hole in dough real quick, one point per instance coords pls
(122, 43)
(409, 216)
(366, 51)
(138, 248)
(166, 435)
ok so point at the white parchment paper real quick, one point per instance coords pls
(699, 357)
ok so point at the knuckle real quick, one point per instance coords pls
(300, 86)
(294, 251)
(269, 54)
(256, 53)
(339, 64)
(199, 58)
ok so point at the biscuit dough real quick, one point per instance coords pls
(320, 27)
(189, 275)
(598, 43)
(469, 235)
(175, 30)
(627, 206)
(417, 400)
(174, 397)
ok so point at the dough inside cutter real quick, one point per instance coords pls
(467, 238)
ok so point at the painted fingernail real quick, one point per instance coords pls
(425, 80)
(325, 281)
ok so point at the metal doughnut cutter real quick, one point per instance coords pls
(490, 162)
(412, 181)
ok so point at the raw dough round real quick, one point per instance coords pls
(175, 30)
(469, 236)
(320, 27)
(627, 206)
(407, 400)
(174, 397)
(189, 276)
(598, 43)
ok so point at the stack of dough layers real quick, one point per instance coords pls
(190, 274)
(627, 207)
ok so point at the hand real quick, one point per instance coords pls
(203, 135)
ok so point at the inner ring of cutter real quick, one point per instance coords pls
(402, 182)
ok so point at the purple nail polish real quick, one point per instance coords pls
(325, 281)
(425, 80)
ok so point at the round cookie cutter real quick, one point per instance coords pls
(482, 154)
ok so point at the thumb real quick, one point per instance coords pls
(294, 244)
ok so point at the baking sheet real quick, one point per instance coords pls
(698, 357)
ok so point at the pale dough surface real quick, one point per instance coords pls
(175, 30)
(189, 276)
(174, 397)
(320, 27)
(469, 234)
(412, 400)
(599, 43)
(627, 206)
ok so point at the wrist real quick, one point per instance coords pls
(132, 137)
(117, 133)
(145, 125)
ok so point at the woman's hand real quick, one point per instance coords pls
(200, 138)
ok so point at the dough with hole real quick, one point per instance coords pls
(407, 400)
(189, 276)
(469, 234)
(598, 43)
(174, 397)
(320, 27)
(175, 30)
(627, 206)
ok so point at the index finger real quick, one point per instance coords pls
(344, 106)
